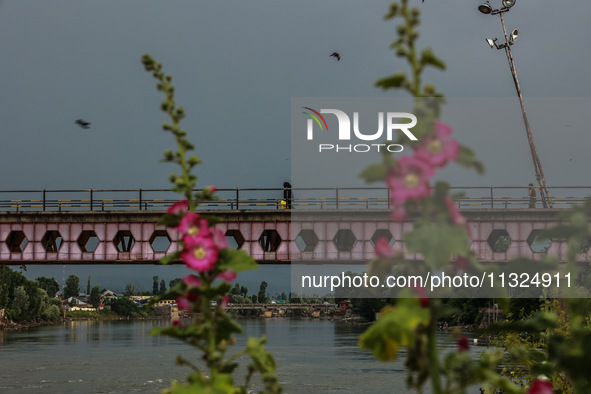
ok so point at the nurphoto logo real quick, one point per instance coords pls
(394, 122)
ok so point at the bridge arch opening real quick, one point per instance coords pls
(160, 241)
(124, 241)
(52, 241)
(499, 241)
(17, 241)
(344, 240)
(306, 240)
(88, 241)
(270, 240)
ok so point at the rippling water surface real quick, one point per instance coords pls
(313, 356)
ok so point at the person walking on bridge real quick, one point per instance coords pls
(287, 194)
(531, 192)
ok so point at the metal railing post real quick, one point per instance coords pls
(91, 202)
(337, 195)
(140, 204)
(237, 197)
(43, 200)
(492, 203)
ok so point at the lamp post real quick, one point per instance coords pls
(509, 40)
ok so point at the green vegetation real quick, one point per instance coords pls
(72, 288)
(25, 300)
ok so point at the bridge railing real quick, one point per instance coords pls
(493, 197)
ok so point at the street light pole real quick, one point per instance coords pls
(486, 9)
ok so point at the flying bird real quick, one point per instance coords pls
(337, 55)
(82, 123)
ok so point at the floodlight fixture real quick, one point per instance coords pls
(485, 8)
(508, 3)
(491, 42)
(514, 35)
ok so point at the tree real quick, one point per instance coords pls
(162, 287)
(129, 290)
(123, 307)
(174, 282)
(254, 298)
(88, 286)
(50, 285)
(155, 285)
(95, 296)
(244, 291)
(20, 303)
(262, 296)
(72, 287)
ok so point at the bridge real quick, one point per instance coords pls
(326, 225)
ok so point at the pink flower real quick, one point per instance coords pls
(228, 275)
(383, 248)
(422, 295)
(541, 387)
(191, 224)
(178, 207)
(192, 281)
(219, 238)
(225, 301)
(438, 148)
(398, 213)
(200, 253)
(462, 263)
(463, 345)
(410, 180)
(456, 216)
(184, 302)
(210, 189)
(177, 323)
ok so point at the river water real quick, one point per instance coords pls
(313, 356)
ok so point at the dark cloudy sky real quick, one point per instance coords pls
(237, 65)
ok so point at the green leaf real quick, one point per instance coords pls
(394, 81)
(374, 173)
(170, 258)
(467, 158)
(236, 260)
(169, 220)
(395, 328)
(428, 58)
(437, 241)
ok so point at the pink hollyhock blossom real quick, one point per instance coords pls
(191, 224)
(383, 248)
(177, 323)
(399, 214)
(456, 216)
(192, 281)
(463, 345)
(541, 387)
(439, 148)
(178, 207)
(200, 253)
(228, 275)
(462, 263)
(225, 301)
(410, 180)
(422, 295)
(219, 238)
(210, 189)
(184, 302)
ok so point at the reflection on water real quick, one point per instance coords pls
(313, 356)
